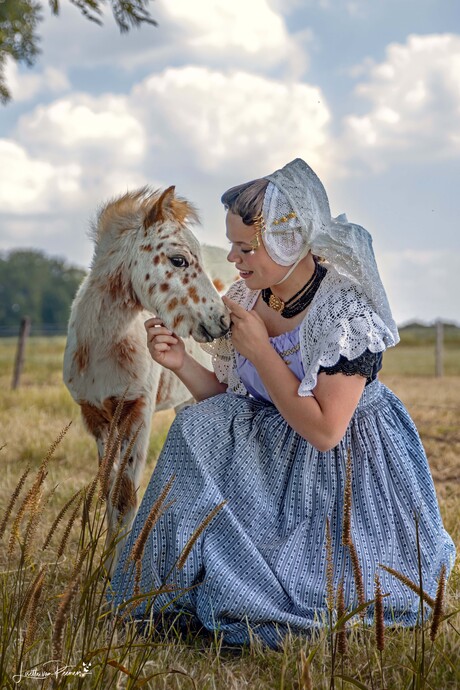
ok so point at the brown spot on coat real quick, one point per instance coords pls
(131, 412)
(121, 290)
(184, 300)
(173, 304)
(147, 276)
(124, 352)
(156, 260)
(164, 388)
(193, 294)
(146, 247)
(177, 320)
(81, 357)
(127, 495)
(164, 287)
(94, 419)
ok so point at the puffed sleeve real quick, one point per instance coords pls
(341, 323)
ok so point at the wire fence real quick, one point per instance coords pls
(41, 329)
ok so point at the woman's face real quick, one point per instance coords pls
(256, 268)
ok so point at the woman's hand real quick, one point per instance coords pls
(249, 333)
(165, 347)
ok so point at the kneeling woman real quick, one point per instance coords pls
(293, 392)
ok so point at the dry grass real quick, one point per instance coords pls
(46, 601)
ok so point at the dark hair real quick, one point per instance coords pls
(246, 200)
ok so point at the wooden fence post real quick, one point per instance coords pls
(439, 348)
(19, 362)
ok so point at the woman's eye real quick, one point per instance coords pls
(247, 251)
(179, 261)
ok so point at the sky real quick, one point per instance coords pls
(367, 92)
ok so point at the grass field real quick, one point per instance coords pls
(54, 615)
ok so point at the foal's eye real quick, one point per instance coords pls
(179, 261)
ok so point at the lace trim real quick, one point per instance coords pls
(368, 365)
(340, 322)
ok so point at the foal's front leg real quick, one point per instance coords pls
(125, 480)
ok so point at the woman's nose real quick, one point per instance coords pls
(232, 256)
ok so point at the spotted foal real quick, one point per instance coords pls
(146, 260)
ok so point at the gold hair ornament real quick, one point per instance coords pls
(259, 223)
(285, 219)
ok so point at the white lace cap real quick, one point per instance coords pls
(297, 218)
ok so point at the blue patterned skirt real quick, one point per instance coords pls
(259, 567)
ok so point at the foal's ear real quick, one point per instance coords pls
(158, 211)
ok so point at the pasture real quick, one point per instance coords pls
(51, 600)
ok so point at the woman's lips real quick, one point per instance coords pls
(245, 274)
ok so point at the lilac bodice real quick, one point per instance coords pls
(287, 346)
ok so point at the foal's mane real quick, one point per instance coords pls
(131, 210)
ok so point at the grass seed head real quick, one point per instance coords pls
(12, 501)
(347, 501)
(329, 568)
(342, 640)
(409, 583)
(358, 577)
(438, 604)
(197, 533)
(378, 615)
(156, 510)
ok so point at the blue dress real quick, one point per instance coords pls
(259, 567)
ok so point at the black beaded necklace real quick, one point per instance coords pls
(300, 300)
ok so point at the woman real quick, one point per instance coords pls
(293, 392)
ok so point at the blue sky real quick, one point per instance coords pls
(366, 91)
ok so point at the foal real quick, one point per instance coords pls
(146, 260)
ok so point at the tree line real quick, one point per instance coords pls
(35, 285)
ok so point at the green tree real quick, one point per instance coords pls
(38, 286)
(19, 20)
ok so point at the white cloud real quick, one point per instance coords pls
(80, 124)
(214, 121)
(71, 153)
(29, 185)
(250, 28)
(415, 103)
(198, 128)
(252, 35)
(24, 86)
(237, 119)
(247, 35)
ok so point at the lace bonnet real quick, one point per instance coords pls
(297, 219)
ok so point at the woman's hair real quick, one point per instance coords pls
(246, 200)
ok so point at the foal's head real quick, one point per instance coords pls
(150, 258)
